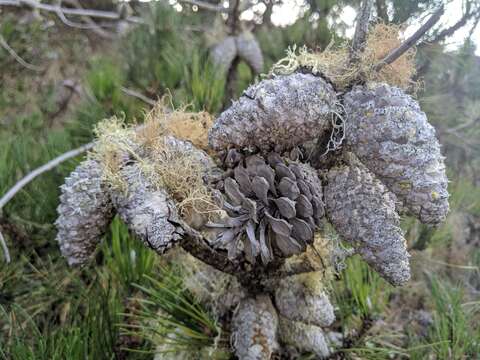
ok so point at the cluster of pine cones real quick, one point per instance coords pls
(274, 200)
(390, 160)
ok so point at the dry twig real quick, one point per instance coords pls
(32, 175)
(411, 41)
(18, 58)
(205, 5)
(138, 95)
(110, 15)
(361, 29)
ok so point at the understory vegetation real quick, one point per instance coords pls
(128, 303)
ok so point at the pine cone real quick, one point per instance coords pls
(149, 213)
(273, 206)
(223, 53)
(363, 213)
(301, 298)
(84, 213)
(249, 50)
(278, 113)
(303, 338)
(218, 291)
(254, 326)
(391, 135)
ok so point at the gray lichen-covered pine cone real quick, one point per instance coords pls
(224, 52)
(363, 213)
(249, 50)
(148, 212)
(298, 302)
(390, 134)
(254, 329)
(300, 338)
(88, 204)
(85, 211)
(276, 114)
(244, 46)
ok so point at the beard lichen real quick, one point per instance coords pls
(184, 125)
(179, 171)
(334, 63)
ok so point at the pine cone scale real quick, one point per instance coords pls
(270, 209)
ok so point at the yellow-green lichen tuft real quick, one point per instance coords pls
(333, 63)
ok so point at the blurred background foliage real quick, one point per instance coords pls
(77, 78)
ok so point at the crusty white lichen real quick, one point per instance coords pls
(84, 212)
(363, 212)
(390, 134)
(303, 338)
(254, 329)
(216, 290)
(303, 298)
(276, 114)
(148, 212)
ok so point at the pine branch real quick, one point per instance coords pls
(361, 30)
(110, 15)
(205, 5)
(18, 58)
(411, 41)
(452, 29)
(40, 170)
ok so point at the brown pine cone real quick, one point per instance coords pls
(274, 206)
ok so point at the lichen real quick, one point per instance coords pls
(169, 164)
(333, 63)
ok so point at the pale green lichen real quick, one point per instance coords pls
(179, 171)
(334, 62)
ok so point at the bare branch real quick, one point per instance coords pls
(17, 57)
(138, 95)
(205, 5)
(6, 253)
(110, 15)
(69, 23)
(451, 30)
(40, 170)
(361, 29)
(411, 41)
(474, 26)
(88, 24)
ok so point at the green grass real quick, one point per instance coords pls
(360, 292)
(168, 316)
(455, 332)
(126, 258)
